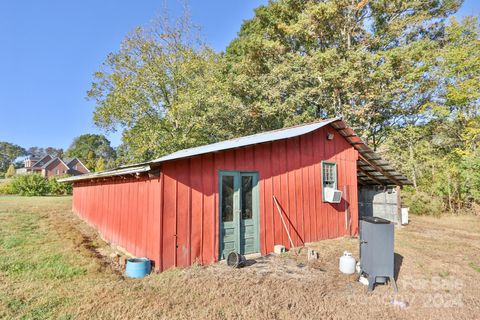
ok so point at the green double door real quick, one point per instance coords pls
(239, 217)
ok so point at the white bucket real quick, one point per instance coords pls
(405, 215)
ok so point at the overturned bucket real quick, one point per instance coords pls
(138, 267)
(236, 260)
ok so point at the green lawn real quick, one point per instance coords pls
(54, 266)
(36, 262)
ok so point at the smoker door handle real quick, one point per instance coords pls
(363, 241)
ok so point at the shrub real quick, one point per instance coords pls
(6, 187)
(30, 185)
(58, 188)
(422, 203)
(10, 172)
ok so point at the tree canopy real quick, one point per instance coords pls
(404, 74)
(8, 153)
(166, 90)
(442, 156)
(41, 152)
(368, 61)
(89, 148)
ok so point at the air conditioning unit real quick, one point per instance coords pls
(332, 195)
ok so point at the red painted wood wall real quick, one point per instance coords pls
(174, 219)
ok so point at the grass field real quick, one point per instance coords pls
(52, 265)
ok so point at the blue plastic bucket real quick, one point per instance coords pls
(138, 267)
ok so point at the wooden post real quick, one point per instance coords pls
(399, 207)
(284, 224)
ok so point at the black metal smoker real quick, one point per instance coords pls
(377, 251)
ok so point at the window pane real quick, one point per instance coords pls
(329, 175)
(227, 198)
(247, 186)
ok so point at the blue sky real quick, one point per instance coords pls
(50, 50)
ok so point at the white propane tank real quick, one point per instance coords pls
(347, 263)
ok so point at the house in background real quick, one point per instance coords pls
(49, 166)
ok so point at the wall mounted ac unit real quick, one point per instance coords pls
(331, 195)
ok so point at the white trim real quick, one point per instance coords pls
(109, 173)
(79, 161)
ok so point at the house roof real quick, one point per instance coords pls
(38, 163)
(371, 168)
(46, 165)
(68, 161)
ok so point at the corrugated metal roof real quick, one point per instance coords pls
(248, 140)
(108, 173)
(371, 168)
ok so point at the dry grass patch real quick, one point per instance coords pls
(52, 267)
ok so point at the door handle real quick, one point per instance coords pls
(363, 241)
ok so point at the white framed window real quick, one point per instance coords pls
(329, 176)
(57, 172)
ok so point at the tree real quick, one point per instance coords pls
(41, 152)
(89, 148)
(91, 160)
(459, 69)
(10, 172)
(368, 61)
(166, 91)
(100, 165)
(8, 153)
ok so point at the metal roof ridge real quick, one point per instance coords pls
(184, 153)
(107, 173)
(39, 160)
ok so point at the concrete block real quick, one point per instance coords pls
(279, 249)
(312, 255)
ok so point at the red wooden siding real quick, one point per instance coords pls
(125, 211)
(174, 219)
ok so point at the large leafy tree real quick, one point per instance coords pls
(442, 156)
(165, 90)
(89, 148)
(40, 152)
(369, 61)
(8, 153)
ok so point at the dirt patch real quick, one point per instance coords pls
(438, 262)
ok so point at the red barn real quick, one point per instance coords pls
(199, 204)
